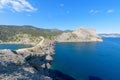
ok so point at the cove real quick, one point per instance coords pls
(89, 60)
(13, 46)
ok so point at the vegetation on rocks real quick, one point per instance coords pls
(80, 35)
(14, 33)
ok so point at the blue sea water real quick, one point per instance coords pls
(13, 46)
(89, 60)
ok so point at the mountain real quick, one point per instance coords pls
(112, 35)
(12, 32)
(79, 35)
(31, 35)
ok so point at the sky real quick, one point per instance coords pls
(103, 15)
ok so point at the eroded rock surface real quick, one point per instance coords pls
(80, 35)
(15, 67)
(25, 64)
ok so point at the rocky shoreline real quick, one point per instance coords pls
(26, 64)
(34, 63)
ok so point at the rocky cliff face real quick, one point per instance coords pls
(27, 64)
(15, 67)
(79, 35)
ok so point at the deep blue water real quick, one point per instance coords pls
(100, 60)
(13, 46)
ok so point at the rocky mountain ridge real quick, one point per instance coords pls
(30, 35)
(80, 35)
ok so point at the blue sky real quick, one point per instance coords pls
(103, 15)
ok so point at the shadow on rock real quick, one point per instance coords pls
(17, 71)
(14, 67)
(57, 75)
(39, 63)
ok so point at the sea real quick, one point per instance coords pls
(13, 46)
(84, 60)
(88, 60)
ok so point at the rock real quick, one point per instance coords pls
(1, 41)
(48, 65)
(6, 51)
(64, 37)
(80, 35)
(45, 78)
(28, 63)
(43, 65)
(14, 67)
(40, 64)
(49, 58)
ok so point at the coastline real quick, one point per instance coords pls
(42, 62)
(76, 41)
(40, 56)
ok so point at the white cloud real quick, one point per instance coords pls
(92, 11)
(16, 5)
(110, 11)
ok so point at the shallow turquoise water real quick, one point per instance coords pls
(83, 60)
(13, 46)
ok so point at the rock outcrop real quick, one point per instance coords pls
(28, 63)
(15, 67)
(80, 35)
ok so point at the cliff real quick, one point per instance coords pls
(80, 35)
(28, 63)
(31, 35)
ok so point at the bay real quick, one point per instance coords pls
(13, 46)
(89, 60)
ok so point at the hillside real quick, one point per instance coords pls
(80, 35)
(10, 33)
(31, 35)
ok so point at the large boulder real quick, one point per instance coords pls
(49, 58)
(1, 41)
(6, 51)
(15, 67)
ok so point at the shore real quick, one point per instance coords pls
(38, 57)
